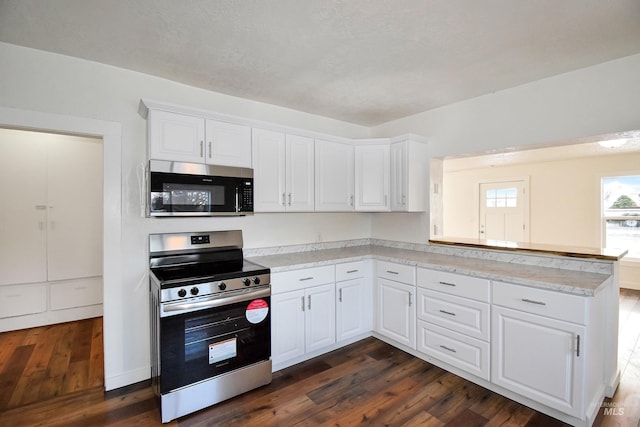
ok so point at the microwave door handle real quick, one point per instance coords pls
(237, 199)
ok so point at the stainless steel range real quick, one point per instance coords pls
(211, 320)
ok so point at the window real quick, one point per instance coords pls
(502, 198)
(621, 213)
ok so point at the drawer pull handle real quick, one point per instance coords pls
(306, 278)
(392, 272)
(340, 294)
(530, 301)
(352, 271)
(447, 312)
(448, 349)
(447, 284)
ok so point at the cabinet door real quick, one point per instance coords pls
(320, 320)
(268, 170)
(398, 176)
(176, 137)
(300, 176)
(287, 326)
(372, 177)
(74, 240)
(353, 308)
(409, 176)
(334, 170)
(395, 311)
(23, 216)
(228, 144)
(539, 357)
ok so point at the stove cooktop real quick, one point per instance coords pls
(182, 274)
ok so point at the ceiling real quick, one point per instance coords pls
(623, 142)
(361, 61)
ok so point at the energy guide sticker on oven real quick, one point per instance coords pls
(222, 350)
(257, 311)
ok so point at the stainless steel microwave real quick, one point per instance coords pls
(194, 189)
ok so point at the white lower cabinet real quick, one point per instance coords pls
(396, 312)
(303, 313)
(543, 350)
(353, 300)
(461, 351)
(21, 300)
(320, 317)
(451, 327)
(287, 326)
(539, 358)
(395, 302)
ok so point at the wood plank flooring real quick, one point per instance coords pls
(55, 382)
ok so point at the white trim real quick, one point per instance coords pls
(111, 134)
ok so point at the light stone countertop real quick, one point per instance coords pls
(556, 279)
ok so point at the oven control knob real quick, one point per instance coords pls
(256, 280)
(194, 291)
(182, 293)
(246, 281)
(222, 286)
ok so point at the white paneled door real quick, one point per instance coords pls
(504, 211)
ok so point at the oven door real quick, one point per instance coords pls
(208, 342)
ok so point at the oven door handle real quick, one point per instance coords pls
(216, 301)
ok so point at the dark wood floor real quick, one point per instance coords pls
(367, 383)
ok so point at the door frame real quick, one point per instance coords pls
(526, 200)
(111, 135)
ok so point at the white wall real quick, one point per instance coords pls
(43, 82)
(564, 197)
(597, 100)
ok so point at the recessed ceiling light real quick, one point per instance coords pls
(613, 143)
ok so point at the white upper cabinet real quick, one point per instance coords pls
(186, 138)
(283, 172)
(334, 172)
(269, 173)
(299, 173)
(409, 174)
(228, 144)
(372, 170)
(175, 137)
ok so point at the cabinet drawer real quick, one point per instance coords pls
(454, 284)
(303, 278)
(556, 305)
(397, 272)
(468, 354)
(23, 299)
(350, 270)
(459, 314)
(76, 293)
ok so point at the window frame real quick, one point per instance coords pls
(621, 217)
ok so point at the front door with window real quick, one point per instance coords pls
(504, 211)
